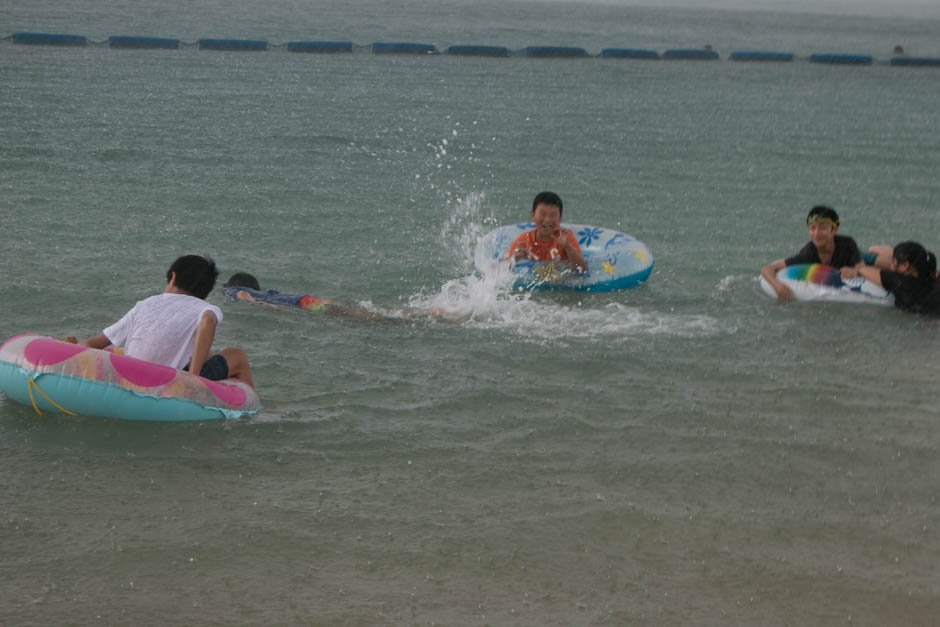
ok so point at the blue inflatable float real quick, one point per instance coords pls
(615, 260)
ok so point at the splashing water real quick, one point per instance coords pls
(467, 222)
(488, 302)
(485, 297)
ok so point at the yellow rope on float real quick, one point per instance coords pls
(32, 384)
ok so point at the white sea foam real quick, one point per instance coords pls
(488, 302)
(725, 285)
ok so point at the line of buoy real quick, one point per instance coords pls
(748, 55)
(479, 51)
(382, 47)
(319, 46)
(629, 53)
(916, 61)
(842, 59)
(555, 52)
(49, 39)
(691, 55)
(233, 44)
(143, 42)
(401, 47)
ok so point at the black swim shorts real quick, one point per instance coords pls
(215, 368)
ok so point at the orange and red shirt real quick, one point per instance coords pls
(543, 250)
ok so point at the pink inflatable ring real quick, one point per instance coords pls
(51, 375)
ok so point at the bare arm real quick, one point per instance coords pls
(203, 345)
(871, 273)
(519, 249)
(769, 274)
(885, 256)
(564, 240)
(516, 252)
(99, 341)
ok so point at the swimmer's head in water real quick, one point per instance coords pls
(243, 279)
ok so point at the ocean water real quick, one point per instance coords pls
(688, 452)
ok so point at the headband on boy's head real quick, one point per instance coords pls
(821, 219)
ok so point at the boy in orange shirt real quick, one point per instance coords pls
(548, 241)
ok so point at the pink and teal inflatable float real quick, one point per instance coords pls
(50, 375)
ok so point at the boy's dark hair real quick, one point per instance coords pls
(922, 259)
(194, 274)
(823, 212)
(548, 198)
(243, 279)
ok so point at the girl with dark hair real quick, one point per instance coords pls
(912, 278)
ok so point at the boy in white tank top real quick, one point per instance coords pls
(176, 328)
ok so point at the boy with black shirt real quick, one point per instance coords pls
(825, 247)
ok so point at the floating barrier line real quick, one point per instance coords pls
(416, 48)
(49, 39)
(402, 47)
(691, 54)
(916, 61)
(842, 59)
(750, 55)
(320, 46)
(233, 45)
(479, 51)
(555, 51)
(629, 53)
(153, 43)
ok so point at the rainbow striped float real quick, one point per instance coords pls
(51, 375)
(814, 281)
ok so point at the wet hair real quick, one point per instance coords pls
(243, 279)
(194, 274)
(827, 213)
(924, 261)
(548, 198)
